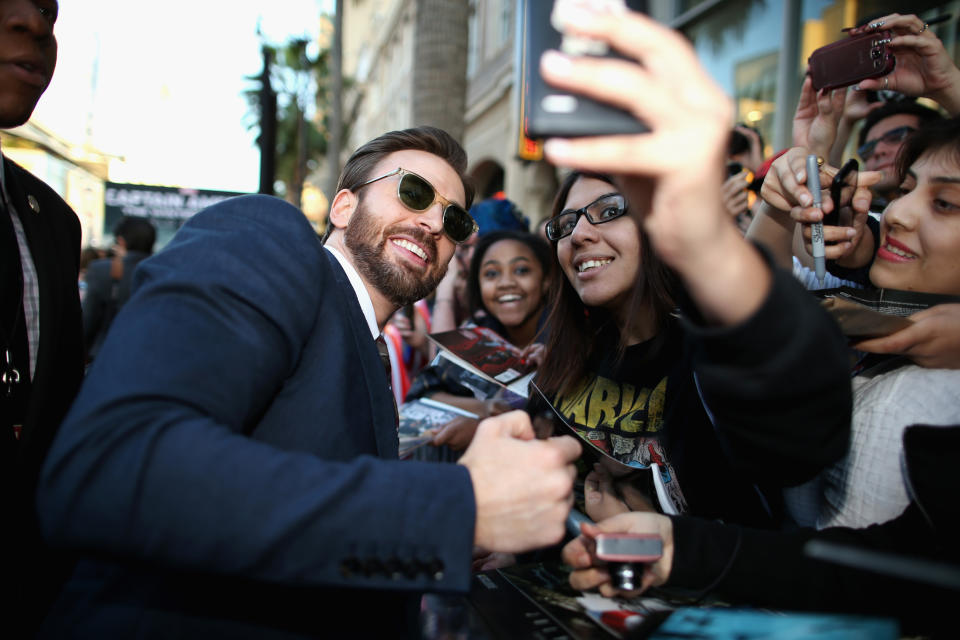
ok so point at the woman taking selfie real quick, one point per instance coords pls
(718, 408)
(676, 171)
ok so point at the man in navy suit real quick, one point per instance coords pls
(41, 345)
(230, 465)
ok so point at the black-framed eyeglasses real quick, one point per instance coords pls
(890, 137)
(603, 209)
(416, 194)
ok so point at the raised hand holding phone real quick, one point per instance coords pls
(924, 67)
(851, 59)
(673, 174)
(550, 111)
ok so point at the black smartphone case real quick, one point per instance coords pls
(547, 112)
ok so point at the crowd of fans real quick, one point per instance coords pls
(666, 307)
(782, 449)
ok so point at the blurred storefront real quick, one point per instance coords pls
(757, 50)
(75, 172)
(454, 65)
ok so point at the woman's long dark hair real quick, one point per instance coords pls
(575, 328)
(934, 138)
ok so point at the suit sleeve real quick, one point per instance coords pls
(778, 386)
(155, 462)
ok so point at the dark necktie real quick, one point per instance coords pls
(385, 360)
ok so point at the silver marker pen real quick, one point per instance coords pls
(816, 228)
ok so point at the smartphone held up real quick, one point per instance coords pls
(850, 60)
(548, 112)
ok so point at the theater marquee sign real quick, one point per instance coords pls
(167, 207)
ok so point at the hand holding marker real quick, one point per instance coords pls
(816, 230)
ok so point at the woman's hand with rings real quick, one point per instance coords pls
(924, 68)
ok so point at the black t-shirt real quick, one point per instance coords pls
(643, 408)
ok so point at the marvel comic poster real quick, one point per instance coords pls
(485, 351)
(622, 456)
(583, 615)
(420, 419)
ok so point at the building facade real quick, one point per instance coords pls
(755, 49)
(76, 173)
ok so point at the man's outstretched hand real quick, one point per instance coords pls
(523, 487)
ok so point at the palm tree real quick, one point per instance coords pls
(440, 65)
(300, 82)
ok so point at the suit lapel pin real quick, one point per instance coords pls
(33, 204)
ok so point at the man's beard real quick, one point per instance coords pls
(400, 285)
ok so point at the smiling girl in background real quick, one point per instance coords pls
(508, 282)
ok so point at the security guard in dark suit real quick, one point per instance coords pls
(41, 348)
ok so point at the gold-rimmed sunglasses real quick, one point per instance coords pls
(416, 194)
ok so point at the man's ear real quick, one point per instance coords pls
(344, 204)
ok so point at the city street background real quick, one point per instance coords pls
(160, 84)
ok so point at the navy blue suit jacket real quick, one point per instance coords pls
(230, 465)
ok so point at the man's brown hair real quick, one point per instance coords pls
(429, 139)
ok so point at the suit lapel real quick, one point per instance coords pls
(30, 210)
(374, 377)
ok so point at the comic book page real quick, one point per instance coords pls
(484, 352)
(658, 613)
(483, 386)
(582, 615)
(861, 322)
(623, 457)
(420, 419)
